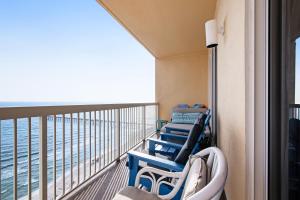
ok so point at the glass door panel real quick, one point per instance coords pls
(294, 127)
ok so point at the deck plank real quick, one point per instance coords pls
(106, 186)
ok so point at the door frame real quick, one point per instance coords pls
(257, 89)
(276, 100)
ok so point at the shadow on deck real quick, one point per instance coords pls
(107, 185)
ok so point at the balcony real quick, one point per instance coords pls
(79, 152)
(49, 152)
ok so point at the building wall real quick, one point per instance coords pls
(231, 93)
(181, 79)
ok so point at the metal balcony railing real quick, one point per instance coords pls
(294, 111)
(46, 152)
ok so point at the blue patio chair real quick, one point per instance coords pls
(184, 130)
(156, 146)
(182, 120)
(178, 161)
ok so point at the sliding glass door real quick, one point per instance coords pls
(284, 100)
(294, 125)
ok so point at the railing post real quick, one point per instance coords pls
(157, 113)
(118, 133)
(0, 157)
(144, 123)
(43, 184)
(15, 152)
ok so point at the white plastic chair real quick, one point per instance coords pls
(213, 172)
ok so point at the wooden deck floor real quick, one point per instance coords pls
(107, 185)
(110, 182)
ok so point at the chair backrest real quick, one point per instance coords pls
(208, 117)
(216, 177)
(202, 136)
(192, 140)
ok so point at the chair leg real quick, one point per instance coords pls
(133, 169)
(164, 189)
(151, 148)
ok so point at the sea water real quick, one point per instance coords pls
(7, 149)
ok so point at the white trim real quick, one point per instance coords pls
(256, 55)
(261, 100)
(249, 96)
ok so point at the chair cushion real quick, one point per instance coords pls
(184, 118)
(198, 105)
(189, 110)
(191, 141)
(132, 193)
(182, 105)
(196, 179)
(177, 126)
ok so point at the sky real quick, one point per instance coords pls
(70, 51)
(297, 88)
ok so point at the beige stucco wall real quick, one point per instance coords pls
(164, 27)
(181, 79)
(231, 93)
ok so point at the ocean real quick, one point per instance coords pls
(7, 147)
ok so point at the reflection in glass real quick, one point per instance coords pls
(294, 129)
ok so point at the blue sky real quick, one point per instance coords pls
(297, 88)
(72, 51)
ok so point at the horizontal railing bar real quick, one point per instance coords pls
(34, 111)
(294, 105)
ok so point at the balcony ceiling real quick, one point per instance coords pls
(164, 27)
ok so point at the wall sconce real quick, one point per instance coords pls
(212, 31)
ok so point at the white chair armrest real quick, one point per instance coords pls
(179, 176)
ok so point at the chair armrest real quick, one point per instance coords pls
(173, 136)
(157, 181)
(165, 143)
(133, 163)
(153, 142)
(153, 160)
(169, 129)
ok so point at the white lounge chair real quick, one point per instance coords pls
(205, 180)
